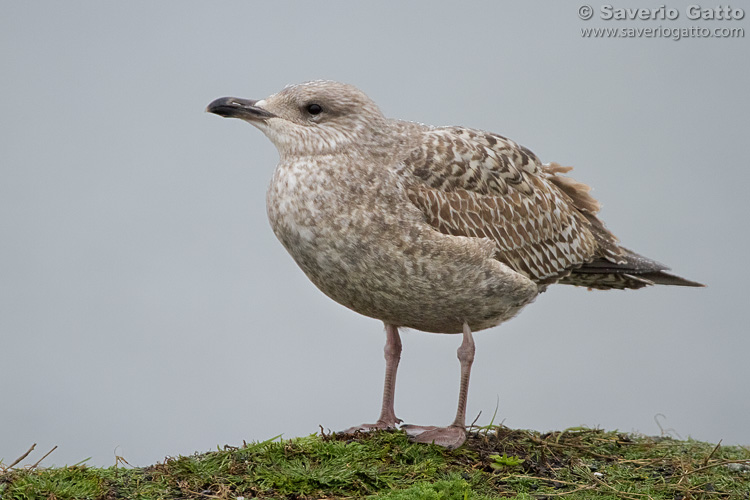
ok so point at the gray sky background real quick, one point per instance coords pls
(146, 309)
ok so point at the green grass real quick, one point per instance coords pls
(494, 463)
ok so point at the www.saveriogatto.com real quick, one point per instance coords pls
(720, 21)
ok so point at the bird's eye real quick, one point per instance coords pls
(314, 109)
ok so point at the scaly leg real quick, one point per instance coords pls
(454, 435)
(388, 419)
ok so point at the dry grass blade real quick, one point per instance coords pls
(713, 452)
(588, 451)
(710, 466)
(40, 460)
(19, 459)
(563, 493)
(619, 493)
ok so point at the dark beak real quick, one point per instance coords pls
(234, 107)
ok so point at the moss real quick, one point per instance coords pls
(496, 462)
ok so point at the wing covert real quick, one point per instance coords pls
(478, 184)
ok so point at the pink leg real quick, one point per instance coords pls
(466, 358)
(454, 435)
(388, 419)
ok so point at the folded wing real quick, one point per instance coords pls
(543, 223)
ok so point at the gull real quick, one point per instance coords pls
(438, 229)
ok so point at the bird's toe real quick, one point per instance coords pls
(450, 437)
(380, 425)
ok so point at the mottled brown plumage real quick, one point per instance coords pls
(544, 224)
(443, 230)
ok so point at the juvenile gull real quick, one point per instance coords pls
(440, 229)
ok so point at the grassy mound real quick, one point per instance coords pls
(494, 463)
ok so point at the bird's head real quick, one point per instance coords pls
(312, 118)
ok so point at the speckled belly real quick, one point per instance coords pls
(378, 258)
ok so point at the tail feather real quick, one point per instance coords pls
(615, 267)
(633, 271)
(662, 278)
